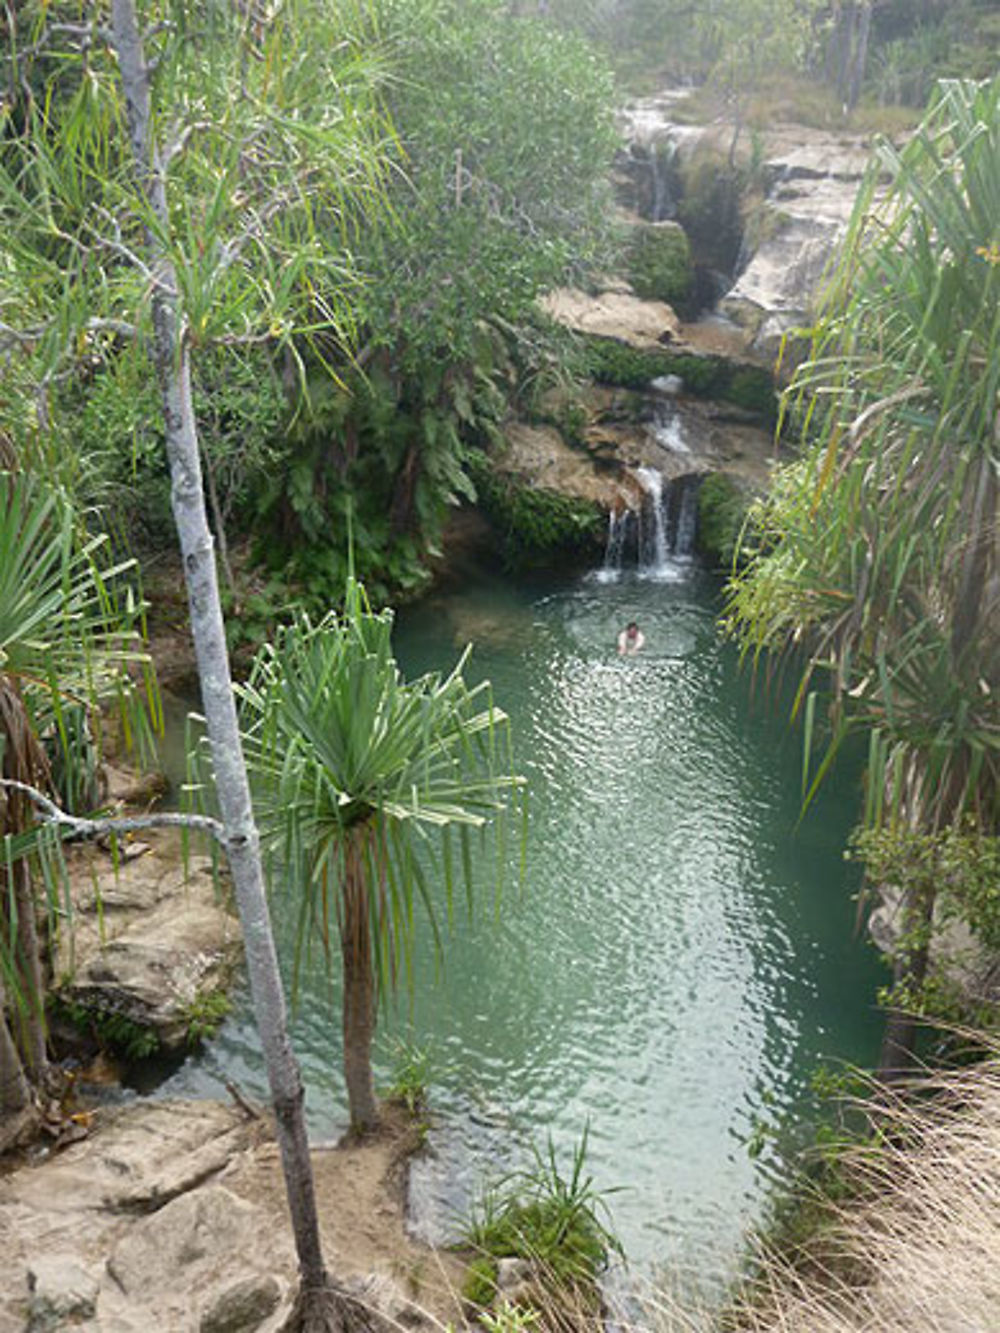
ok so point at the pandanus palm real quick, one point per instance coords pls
(878, 552)
(64, 644)
(362, 781)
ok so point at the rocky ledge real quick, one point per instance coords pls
(172, 1216)
(153, 943)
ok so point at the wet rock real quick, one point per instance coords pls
(62, 1293)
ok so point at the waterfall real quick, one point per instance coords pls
(660, 534)
(614, 552)
(654, 521)
(687, 517)
(668, 428)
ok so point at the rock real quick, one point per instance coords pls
(379, 1295)
(670, 385)
(613, 314)
(243, 1306)
(62, 1292)
(512, 1273)
(148, 943)
(809, 182)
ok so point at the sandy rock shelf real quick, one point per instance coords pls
(172, 1216)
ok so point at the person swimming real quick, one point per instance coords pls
(630, 640)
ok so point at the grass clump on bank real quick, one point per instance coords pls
(552, 1224)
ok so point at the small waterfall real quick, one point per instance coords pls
(668, 428)
(663, 166)
(614, 552)
(686, 529)
(654, 521)
(659, 535)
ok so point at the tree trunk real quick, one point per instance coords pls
(860, 56)
(29, 966)
(218, 704)
(359, 995)
(220, 529)
(897, 1058)
(15, 1094)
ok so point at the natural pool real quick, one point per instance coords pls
(682, 955)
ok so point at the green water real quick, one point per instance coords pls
(682, 955)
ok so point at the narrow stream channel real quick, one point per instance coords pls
(682, 956)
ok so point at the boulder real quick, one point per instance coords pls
(243, 1306)
(613, 314)
(659, 263)
(149, 942)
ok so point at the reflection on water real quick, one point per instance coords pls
(682, 954)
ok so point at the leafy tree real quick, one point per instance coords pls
(503, 138)
(225, 215)
(358, 773)
(877, 552)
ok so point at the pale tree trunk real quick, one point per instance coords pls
(860, 56)
(359, 995)
(218, 704)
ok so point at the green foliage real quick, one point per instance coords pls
(411, 1069)
(536, 526)
(659, 263)
(369, 789)
(113, 1031)
(960, 863)
(722, 512)
(204, 1015)
(875, 550)
(612, 362)
(479, 1286)
(746, 386)
(548, 1218)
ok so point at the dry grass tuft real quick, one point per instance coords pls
(918, 1248)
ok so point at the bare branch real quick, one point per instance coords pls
(50, 813)
(180, 141)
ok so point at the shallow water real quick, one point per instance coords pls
(682, 955)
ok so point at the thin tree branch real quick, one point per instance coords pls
(50, 813)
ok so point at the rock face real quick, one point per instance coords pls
(810, 180)
(149, 942)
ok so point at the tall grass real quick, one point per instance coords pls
(918, 1248)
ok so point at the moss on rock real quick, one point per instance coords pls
(722, 509)
(744, 385)
(659, 263)
(535, 524)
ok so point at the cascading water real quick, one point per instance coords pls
(668, 428)
(686, 527)
(614, 552)
(660, 533)
(654, 518)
